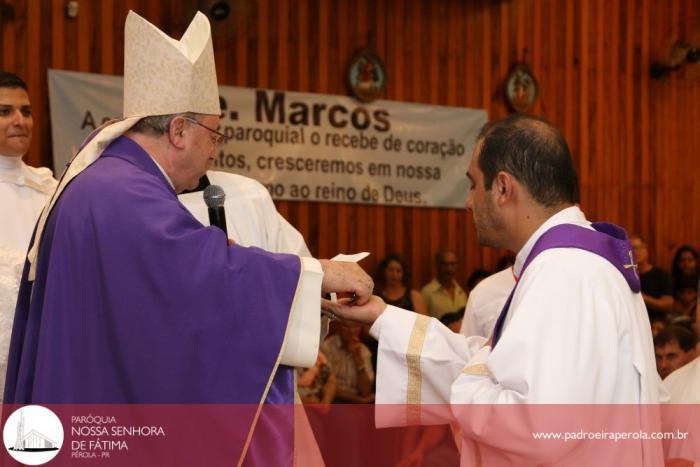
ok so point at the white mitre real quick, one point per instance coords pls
(162, 76)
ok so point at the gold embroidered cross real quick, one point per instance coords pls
(632, 264)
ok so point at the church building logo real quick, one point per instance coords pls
(33, 435)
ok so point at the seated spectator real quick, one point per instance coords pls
(453, 320)
(317, 384)
(351, 361)
(657, 290)
(392, 285)
(393, 277)
(658, 323)
(685, 269)
(475, 277)
(486, 302)
(685, 302)
(443, 294)
(505, 261)
(674, 347)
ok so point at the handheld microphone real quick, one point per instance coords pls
(214, 198)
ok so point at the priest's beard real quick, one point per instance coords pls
(490, 226)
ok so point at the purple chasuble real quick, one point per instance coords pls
(607, 240)
(135, 301)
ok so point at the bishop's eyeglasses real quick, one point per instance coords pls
(217, 138)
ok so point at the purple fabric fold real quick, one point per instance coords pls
(135, 301)
(606, 240)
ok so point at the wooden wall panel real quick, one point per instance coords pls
(634, 139)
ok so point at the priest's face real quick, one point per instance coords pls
(489, 224)
(15, 122)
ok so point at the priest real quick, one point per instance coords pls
(682, 415)
(574, 330)
(23, 192)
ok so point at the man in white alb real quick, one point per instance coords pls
(683, 416)
(24, 191)
(485, 303)
(251, 216)
(575, 331)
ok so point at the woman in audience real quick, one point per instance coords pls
(686, 268)
(393, 276)
(392, 285)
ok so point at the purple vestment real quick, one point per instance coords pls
(136, 302)
(606, 240)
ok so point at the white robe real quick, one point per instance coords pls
(251, 217)
(575, 334)
(683, 386)
(485, 303)
(24, 191)
(252, 220)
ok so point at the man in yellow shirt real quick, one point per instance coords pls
(443, 294)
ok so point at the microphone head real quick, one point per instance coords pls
(214, 196)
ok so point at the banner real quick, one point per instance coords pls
(306, 147)
(227, 435)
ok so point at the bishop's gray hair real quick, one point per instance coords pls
(158, 125)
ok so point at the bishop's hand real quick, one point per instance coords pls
(346, 278)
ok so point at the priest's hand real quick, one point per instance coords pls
(346, 278)
(352, 311)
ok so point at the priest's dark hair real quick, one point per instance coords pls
(11, 80)
(532, 151)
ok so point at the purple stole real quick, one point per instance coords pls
(607, 240)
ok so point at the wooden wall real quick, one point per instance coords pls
(635, 140)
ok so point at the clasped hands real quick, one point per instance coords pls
(355, 287)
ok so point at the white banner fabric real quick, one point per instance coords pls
(303, 146)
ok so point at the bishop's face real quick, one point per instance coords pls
(202, 149)
(15, 122)
(490, 226)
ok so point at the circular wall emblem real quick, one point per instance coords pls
(33, 435)
(521, 88)
(366, 76)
